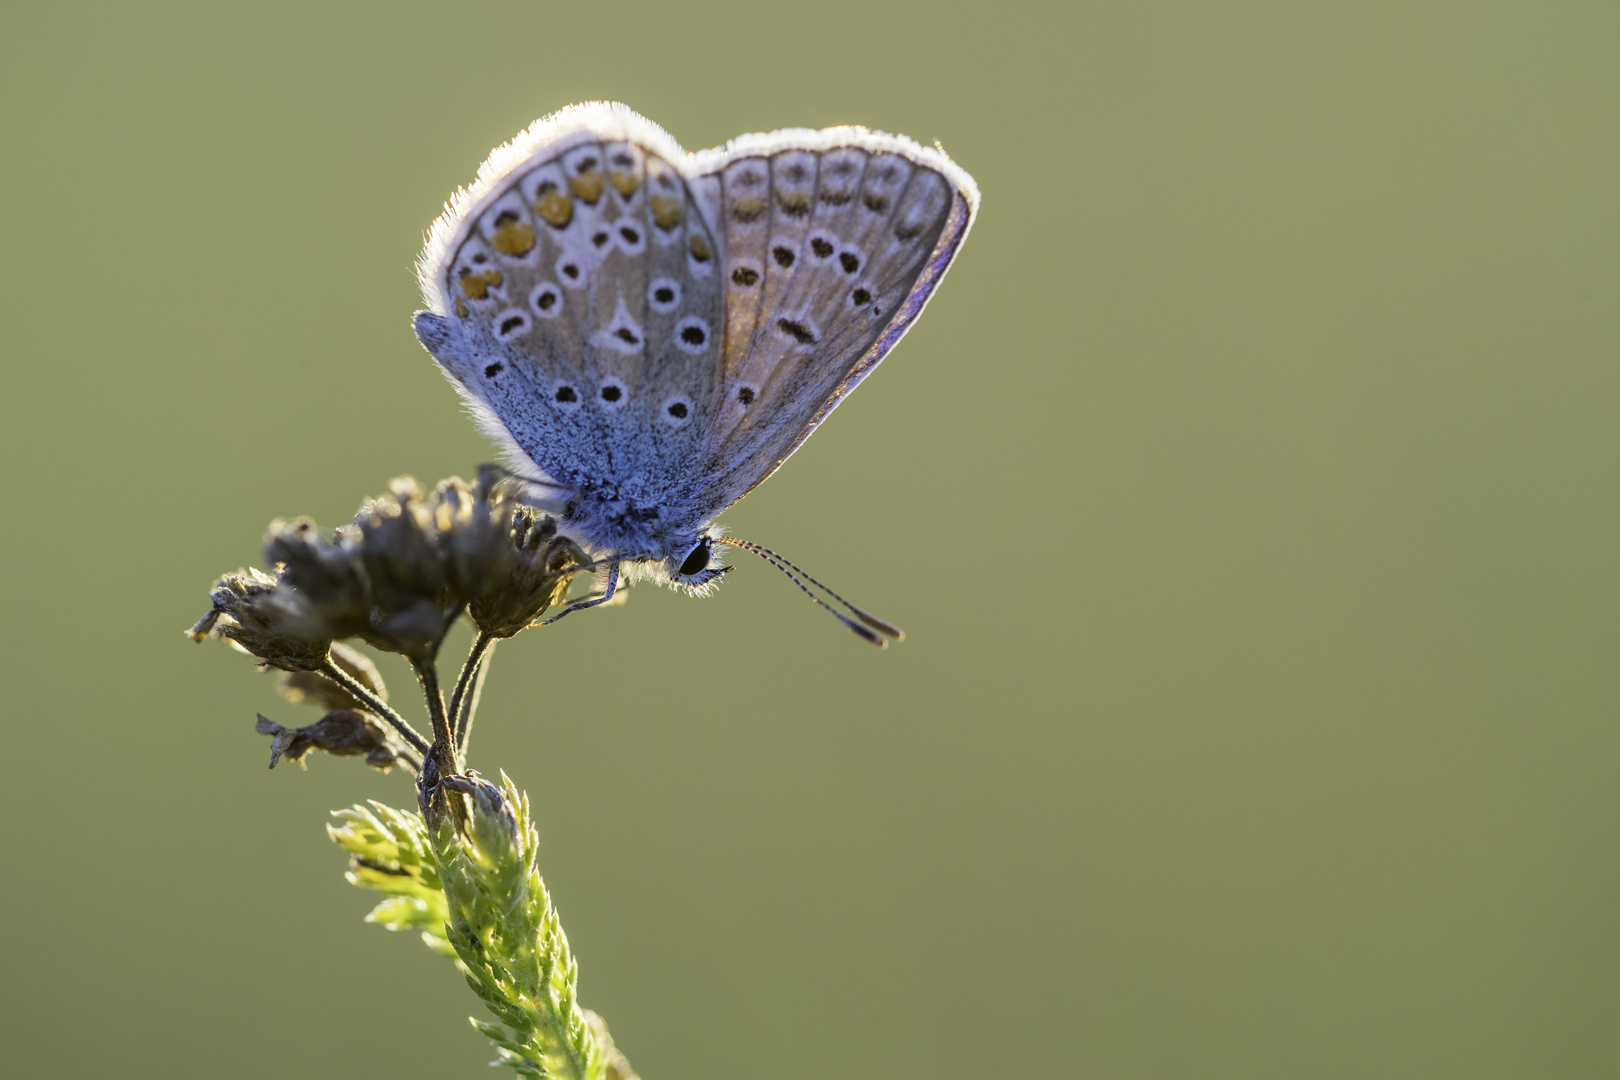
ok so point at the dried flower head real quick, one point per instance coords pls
(397, 578)
(413, 603)
(329, 574)
(532, 573)
(275, 624)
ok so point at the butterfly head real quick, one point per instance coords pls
(695, 565)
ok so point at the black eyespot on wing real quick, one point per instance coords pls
(745, 395)
(566, 395)
(849, 262)
(678, 410)
(625, 334)
(571, 271)
(797, 331)
(860, 296)
(510, 324)
(692, 336)
(600, 238)
(493, 370)
(630, 235)
(611, 393)
(820, 247)
(546, 300)
(875, 203)
(587, 164)
(664, 296)
(783, 256)
(744, 276)
(696, 562)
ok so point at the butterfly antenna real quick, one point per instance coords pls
(883, 628)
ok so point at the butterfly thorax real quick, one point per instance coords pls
(611, 523)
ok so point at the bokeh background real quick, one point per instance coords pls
(1248, 493)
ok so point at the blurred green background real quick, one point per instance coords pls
(1248, 493)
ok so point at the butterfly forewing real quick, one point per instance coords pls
(824, 250)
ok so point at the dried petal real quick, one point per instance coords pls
(342, 733)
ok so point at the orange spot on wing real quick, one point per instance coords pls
(588, 186)
(514, 238)
(477, 286)
(747, 210)
(666, 211)
(555, 208)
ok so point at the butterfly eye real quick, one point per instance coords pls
(697, 560)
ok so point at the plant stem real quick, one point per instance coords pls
(444, 744)
(464, 699)
(375, 704)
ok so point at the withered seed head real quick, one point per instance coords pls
(398, 577)
(271, 622)
(531, 574)
(329, 574)
(413, 605)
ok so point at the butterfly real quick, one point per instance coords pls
(648, 334)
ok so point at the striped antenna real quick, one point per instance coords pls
(867, 623)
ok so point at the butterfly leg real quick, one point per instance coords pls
(580, 605)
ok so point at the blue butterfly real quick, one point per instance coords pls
(648, 334)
